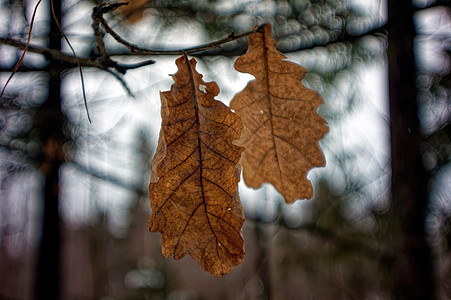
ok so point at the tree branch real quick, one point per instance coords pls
(105, 7)
(95, 62)
(104, 61)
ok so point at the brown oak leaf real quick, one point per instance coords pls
(281, 126)
(134, 10)
(195, 173)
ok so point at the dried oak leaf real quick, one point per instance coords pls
(195, 173)
(134, 10)
(281, 126)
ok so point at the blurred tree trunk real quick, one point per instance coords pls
(413, 276)
(49, 122)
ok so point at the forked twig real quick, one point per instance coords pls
(104, 62)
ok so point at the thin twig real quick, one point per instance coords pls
(24, 49)
(123, 83)
(212, 45)
(75, 56)
(123, 68)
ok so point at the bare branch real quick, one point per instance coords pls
(55, 54)
(103, 8)
(98, 11)
(212, 45)
(97, 62)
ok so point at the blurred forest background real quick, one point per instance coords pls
(73, 194)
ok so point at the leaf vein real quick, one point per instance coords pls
(182, 134)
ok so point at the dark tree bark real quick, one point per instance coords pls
(413, 276)
(49, 121)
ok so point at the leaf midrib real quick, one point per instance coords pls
(268, 89)
(199, 141)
